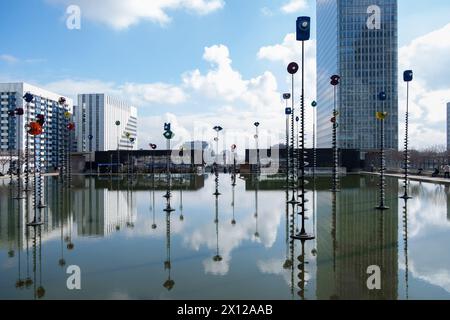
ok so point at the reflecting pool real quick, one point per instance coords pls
(227, 238)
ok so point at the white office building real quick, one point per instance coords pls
(12, 128)
(96, 130)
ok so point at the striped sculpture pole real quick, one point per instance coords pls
(407, 77)
(381, 116)
(334, 120)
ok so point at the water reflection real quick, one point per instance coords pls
(121, 230)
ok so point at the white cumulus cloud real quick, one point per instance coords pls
(429, 57)
(294, 6)
(121, 14)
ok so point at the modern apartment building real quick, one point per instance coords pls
(12, 128)
(358, 41)
(96, 130)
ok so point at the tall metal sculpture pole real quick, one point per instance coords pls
(217, 129)
(169, 135)
(62, 146)
(335, 179)
(117, 123)
(90, 137)
(314, 105)
(217, 257)
(287, 112)
(407, 77)
(19, 112)
(303, 34)
(153, 147)
(38, 165)
(70, 128)
(233, 192)
(381, 116)
(258, 160)
(28, 97)
(11, 115)
(132, 141)
(233, 152)
(292, 70)
(34, 128)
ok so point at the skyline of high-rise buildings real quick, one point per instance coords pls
(357, 40)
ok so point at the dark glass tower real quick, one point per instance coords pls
(358, 40)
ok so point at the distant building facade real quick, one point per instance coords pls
(358, 41)
(96, 129)
(12, 128)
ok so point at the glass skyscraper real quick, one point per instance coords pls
(357, 40)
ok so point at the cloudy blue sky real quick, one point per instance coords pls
(202, 62)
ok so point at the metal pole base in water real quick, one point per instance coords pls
(303, 237)
(405, 197)
(382, 208)
(35, 224)
(169, 210)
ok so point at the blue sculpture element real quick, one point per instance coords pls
(286, 96)
(303, 28)
(28, 97)
(408, 76)
(382, 96)
(167, 126)
(288, 111)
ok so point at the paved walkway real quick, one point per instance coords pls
(413, 177)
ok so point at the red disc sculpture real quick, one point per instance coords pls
(34, 128)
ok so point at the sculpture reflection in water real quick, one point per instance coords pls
(152, 203)
(405, 245)
(130, 194)
(34, 277)
(169, 283)
(217, 257)
(233, 198)
(20, 283)
(257, 177)
(39, 290)
(351, 238)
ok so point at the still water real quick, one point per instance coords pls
(230, 244)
